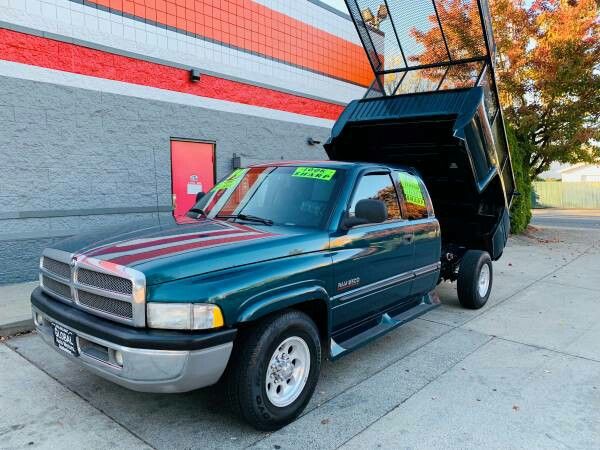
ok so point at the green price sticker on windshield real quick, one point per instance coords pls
(412, 189)
(230, 180)
(315, 173)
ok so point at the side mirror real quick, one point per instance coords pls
(367, 211)
(199, 195)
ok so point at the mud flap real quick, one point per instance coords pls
(500, 236)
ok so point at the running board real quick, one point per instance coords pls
(386, 324)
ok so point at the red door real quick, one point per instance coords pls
(192, 171)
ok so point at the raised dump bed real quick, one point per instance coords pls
(434, 106)
(447, 138)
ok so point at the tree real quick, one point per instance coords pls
(548, 71)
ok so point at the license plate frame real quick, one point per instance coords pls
(65, 339)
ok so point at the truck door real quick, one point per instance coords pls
(418, 210)
(372, 263)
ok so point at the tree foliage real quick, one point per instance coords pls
(520, 211)
(548, 70)
(548, 78)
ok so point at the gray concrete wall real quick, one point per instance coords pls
(73, 159)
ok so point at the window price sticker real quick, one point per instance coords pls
(230, 180)
(412, 189)
(316, 173)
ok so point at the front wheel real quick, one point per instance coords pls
(475, 277)
(275, 370)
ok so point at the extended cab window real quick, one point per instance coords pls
(414, 195)
(377, 187)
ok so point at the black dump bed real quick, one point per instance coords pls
(434, 106)
(447, 138)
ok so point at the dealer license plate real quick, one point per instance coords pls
(65, 339)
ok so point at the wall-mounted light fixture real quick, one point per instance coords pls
(312, 141)
(195, 75)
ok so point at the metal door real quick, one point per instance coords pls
(192, 171)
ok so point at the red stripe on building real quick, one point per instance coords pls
(52, 54)
(253, 27)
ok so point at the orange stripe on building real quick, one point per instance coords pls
(253, 27)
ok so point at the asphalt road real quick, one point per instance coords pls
(567, 218)
(523, 372)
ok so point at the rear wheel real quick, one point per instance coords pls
(475, 277)
(275, 370)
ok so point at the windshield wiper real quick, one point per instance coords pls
(248, 217)
(195, 210)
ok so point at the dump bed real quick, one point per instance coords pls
(434, 106)
(447, 139)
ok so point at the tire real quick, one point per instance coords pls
(473, 291)
(250, 395)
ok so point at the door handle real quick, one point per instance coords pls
(408, 239)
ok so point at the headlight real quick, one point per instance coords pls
(183, 316)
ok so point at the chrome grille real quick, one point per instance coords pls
(61, 269)
(56, 287)
(109, 290)
(104, 281)
(107, 305)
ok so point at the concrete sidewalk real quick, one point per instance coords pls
(15, 312)
(68, 420)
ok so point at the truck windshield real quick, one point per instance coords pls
(293, 196)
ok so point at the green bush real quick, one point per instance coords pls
(520, 211)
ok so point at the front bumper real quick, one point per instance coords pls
(152, 360)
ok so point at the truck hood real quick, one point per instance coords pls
(188, 247)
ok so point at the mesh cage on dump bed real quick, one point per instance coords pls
(424, 45)
(427, 46)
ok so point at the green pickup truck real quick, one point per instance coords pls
(281, 264)
(278, 266)
(274, 265)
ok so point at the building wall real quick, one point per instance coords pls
(582, 173)
(328, 63)
(91, 93)
(74, 159)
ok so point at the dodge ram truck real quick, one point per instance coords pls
(281, 264)
(275, 265)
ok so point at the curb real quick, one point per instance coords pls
(21, 326)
